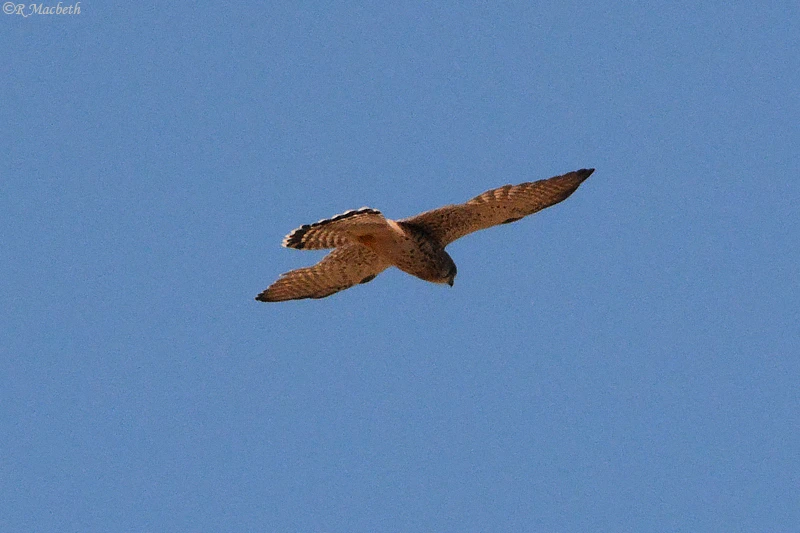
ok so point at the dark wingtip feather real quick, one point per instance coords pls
(262, 297)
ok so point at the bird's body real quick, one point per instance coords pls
(366, 243)
(414, 252)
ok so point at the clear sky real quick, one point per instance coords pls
(627, 360)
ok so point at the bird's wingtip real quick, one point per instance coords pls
(263, 297)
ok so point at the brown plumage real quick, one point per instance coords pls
(366, 243)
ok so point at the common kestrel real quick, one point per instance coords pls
(365, 243)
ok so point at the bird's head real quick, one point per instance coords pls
(449, 272)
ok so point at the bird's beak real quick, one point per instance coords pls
(450, 282)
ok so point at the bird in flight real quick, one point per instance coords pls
(365, 243)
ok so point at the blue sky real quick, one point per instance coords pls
(624, 361)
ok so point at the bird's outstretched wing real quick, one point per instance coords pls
(338, 230)
(344, 267)
(497, 206)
